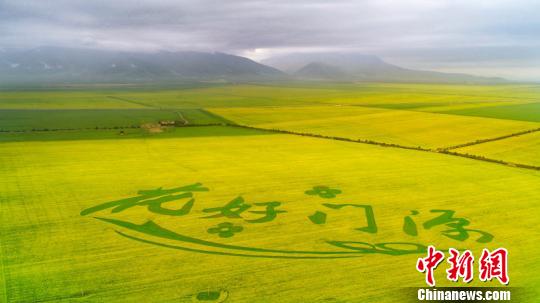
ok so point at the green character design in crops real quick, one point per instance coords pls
(371, 227)
(323, 192)
(154, 199)
(163, 234)
(233, 209)
(270, 212)
(456, 226)
(225, 229)
(237, 206)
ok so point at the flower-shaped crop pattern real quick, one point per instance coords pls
(225, 229)
(323, 192)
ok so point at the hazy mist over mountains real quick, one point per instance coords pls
(359, 67)
(55, 64)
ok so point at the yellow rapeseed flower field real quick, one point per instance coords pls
(99, 202)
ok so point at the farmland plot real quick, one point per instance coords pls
(520, 149)
(407, 128)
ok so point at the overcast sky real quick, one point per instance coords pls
(486, 37)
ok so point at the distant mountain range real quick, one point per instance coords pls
(359, 67)
(83, 65)
(66, 65)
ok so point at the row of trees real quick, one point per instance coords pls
(482, 158)
(479, 141)
(331, 137)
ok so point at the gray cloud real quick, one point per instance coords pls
(490, 37)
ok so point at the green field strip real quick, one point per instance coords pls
(52, 130)
(33, 100)
(520, 112)
(186, 115)
(479, 95)
(188, 131)
(11, 120)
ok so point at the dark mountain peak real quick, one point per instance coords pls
(294, 62)
(320, 71)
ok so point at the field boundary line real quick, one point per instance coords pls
(184, 120)
(382, 144)
(480, 141)
(224, 120)
(485, 159)
(364, 141)
(133, 102)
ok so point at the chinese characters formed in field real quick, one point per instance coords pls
(230, 220)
